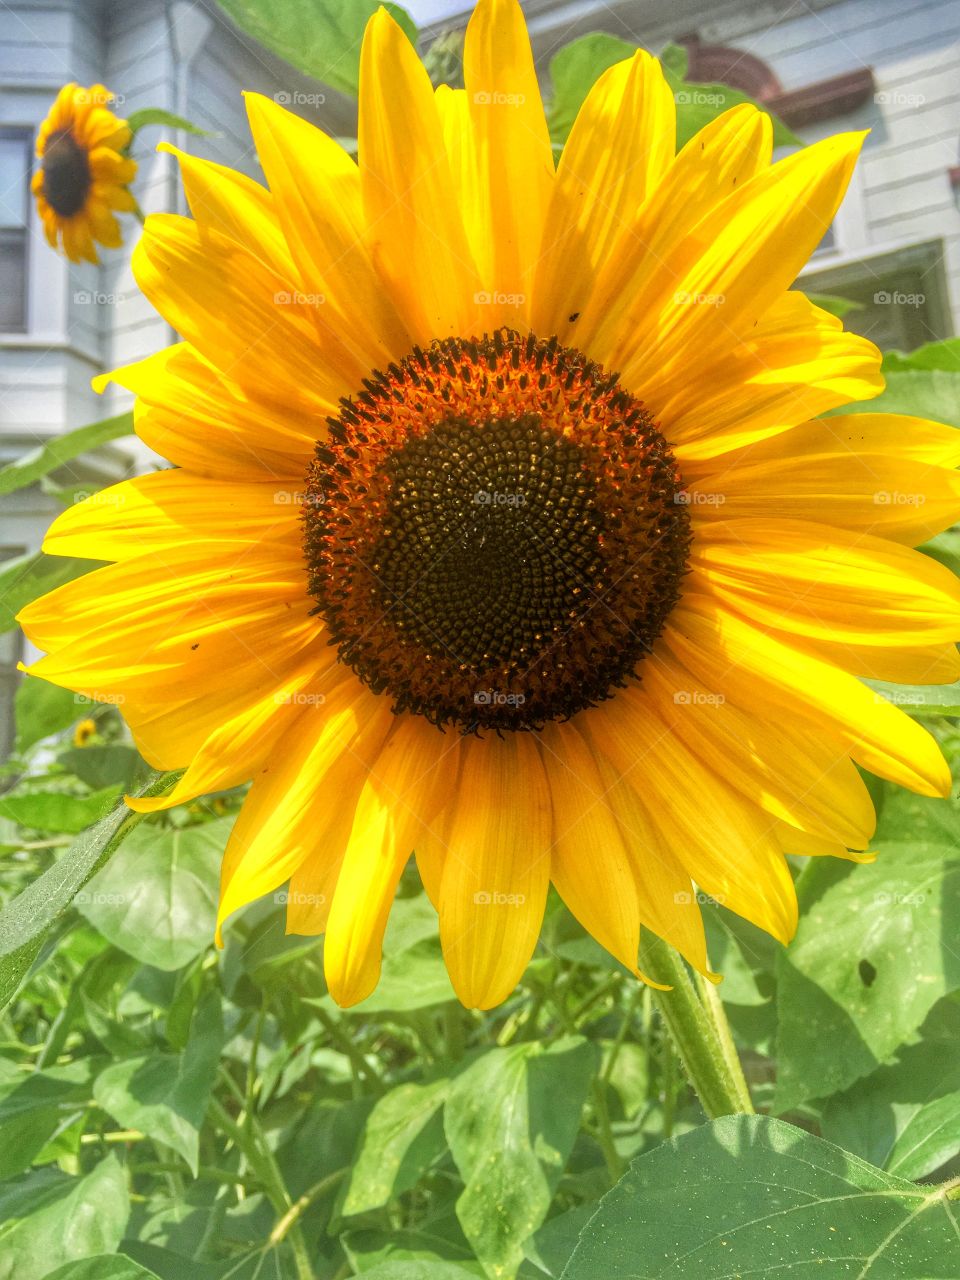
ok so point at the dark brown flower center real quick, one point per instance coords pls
(66, 174)
(493, 532)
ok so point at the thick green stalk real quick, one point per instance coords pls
(700, 1032)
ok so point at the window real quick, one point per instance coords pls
(15, 162)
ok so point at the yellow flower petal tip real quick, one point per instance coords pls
(404, 472)
(84, 172)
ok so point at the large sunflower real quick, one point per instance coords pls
(84, 173)
(503, 528)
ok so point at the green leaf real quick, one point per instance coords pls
(165, 119)
(165, 1095)
(838, 307)
(26, 921)
(33, 1107)
(921, 392)
(42, 708)
(923, 700)
(419, 1270)
(698, 104)
(28, 577)
(56, 810)
(157, 900)
(573, 71)
(322, 38)
(869, 961)
(511, 1119)
(933, 355)
(61, 450)
(47, 1220)
(906, 1116)
(751, 1196)
(103, 1267)
(402, 1138)
(112, 765)
(367, 1251)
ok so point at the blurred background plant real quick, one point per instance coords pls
(173, 1111)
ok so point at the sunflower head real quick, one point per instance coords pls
(84, 173)
(530, 451)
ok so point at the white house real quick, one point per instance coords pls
(892, 66)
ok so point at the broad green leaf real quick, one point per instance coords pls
(112, 765)
(42, 708)
(157, 899)
(573, 71)
(739, 982)
(511, 1119)
(47, 1220)
(698, 104)
(321, 38)
(103, 1267)
(751, 1196)
(422, 1270)
(906, 1116)
(26, 921)
(553, 1244)
(165, 1095)
(945, 547)
(33, 1106)
(61, 450)
(31, 576)
(921, 392)
(368, 1251)
(402, 1138)
(56, 810)
(165, 119)
(922, 700)
(873, 951)
(838, 307)
(933, 355)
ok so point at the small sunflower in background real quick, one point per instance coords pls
(84, 732)
(84, 174)
(504, 526)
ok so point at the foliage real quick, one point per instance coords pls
(320, 38)
(172, 1111)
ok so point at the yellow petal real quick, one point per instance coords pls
(754, 667)
(735, 856)
(400, 797)
(796, 361)
(720, 158)
(619, 149)
(497, 868)
(302, 799)
(705, 292)
(231, 204)
(250, 323)
(810, 580)
(782, 767)
(317, 197)
(415, 231)
(197, 418)
(884, 494)
(514, 157)
(235, 750)
(151, 513)
(590, 865)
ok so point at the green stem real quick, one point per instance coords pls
(700, 1033)
(260, 1159)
